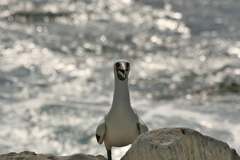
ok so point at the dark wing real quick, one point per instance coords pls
(100, 132)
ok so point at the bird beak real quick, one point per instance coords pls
(122, 74)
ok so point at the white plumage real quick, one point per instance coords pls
(121, 126)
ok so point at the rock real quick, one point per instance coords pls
(178, 144)
(26, 155)
(161, 144)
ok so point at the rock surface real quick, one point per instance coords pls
(161, 144)
(26, 155)
(179, 144)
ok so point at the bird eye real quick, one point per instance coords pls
(117, 65)
(127, 66)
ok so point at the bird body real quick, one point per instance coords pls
(121, 130)
(121, 126)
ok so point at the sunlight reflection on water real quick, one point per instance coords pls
(56, 78)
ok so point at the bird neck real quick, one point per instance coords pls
(121, 96)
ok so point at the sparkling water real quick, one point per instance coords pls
(56, 69)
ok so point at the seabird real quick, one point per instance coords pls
(121, 126)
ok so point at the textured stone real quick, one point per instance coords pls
(179, 144)
(161, 144)
(26, 155)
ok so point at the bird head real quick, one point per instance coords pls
(121, 69)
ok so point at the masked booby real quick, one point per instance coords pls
(121, 126)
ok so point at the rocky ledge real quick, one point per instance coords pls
(161, 144)
(179, 144)
(26, 155)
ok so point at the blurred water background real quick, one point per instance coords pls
(56, 79)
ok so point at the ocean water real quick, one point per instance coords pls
(56, 69)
